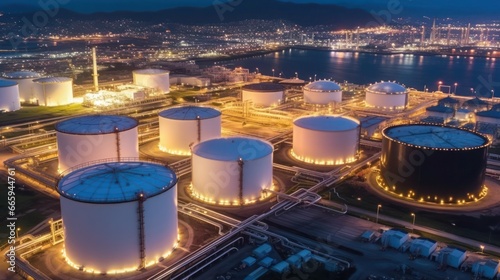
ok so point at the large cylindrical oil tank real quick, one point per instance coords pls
(53, 91)
(433, 163)
(25, 81)
(183, 127)
(233, 170)
(96, 137)
(263, 94)
(118, 216)
(387, 96)
(153, 78)
(326, 140)
(9, 96)
(322, 92)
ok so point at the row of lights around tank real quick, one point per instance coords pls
(116, 271)
(393, 108)
(322, 162)
(225, 202)
(174, 152)
(411, 195)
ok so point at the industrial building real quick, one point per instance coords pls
(263, 94)
(322, 92)
(53, 91)
(387, 96)
(9, 96)
(394, 238)
(118, 216)
(195, 123)
(157, 79)
(442, 112)
(486, 268)
(450, 256)
(423, 247)
(475, 105)
(25, 81)
(232, 170)
(449, 102)
(90, 138)
(491, 117)
(414, 156)
(326, 140)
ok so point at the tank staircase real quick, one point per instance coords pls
(142, 245)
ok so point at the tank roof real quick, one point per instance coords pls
(7, 83)
(96, 124)
(435, 137)
(22, 75)
(475, 102)
(323, 86)
(233, 148)
(189, 113)
(151, 71)
(116, 182)
(489, 114)
(449, 100)
(53, 80)
(327, 123)
(264, 87)
(387, 88)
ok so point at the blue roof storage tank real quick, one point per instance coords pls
(92, 138)
(183, 127)
(102, 208)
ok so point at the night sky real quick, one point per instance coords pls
(410, 7)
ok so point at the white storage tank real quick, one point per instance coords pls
(387, 96)
(53, 91)
(153, 78)
(9, 96)
(118, 216)
(231, 171)
(183, 127)
(97, 137)
(322, 92)
(326, 140)
(25, 81)
(263, 94)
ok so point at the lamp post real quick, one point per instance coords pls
(296, 75)
(440, 83)
(455, 90)
(314, 77)
(378, 209)
(17, 232)
(482, 248)
(273, 72)
(413, 215)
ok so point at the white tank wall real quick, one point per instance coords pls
(25, 89)
(263, 99)
(177, 135)
(157, 81)
(76, 149)
(105, 237)
(325, 147)
(220, 180)
(53, 94)
(386, 101)
(9, 98)
(322, 98)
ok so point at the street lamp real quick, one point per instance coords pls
(310, 78)
(472, 91)
(378, 209)
(413, 215)
(273, 72)
(17, 232)
(314, 77)
(482, 248)
(257, 70)
(296, 75)
(440, 83)
(455, 91)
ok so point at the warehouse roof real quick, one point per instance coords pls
(96, 124)
(116, 182)
(327, 123)
(439, 109)
(189, 113)
(434, 136)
